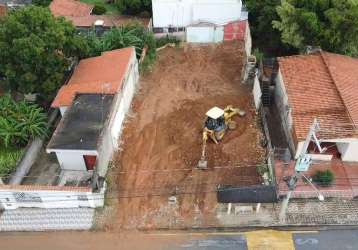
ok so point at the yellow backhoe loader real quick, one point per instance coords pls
(217, 122)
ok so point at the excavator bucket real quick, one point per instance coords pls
(203, 164)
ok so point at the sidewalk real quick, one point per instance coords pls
(314, 212)
(300, 212)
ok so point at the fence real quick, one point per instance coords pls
(250, 194)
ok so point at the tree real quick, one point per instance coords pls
(43, 3)
(36, 49)
(330, 24)
(134, 7)
(265, 37)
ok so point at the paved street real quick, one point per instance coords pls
(257, 240)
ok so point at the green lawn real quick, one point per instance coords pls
(8, 159)
(111, 8)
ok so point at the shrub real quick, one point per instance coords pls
(262, 169)
(99, 9)
(20, 122)
(130, 35)
(8, 159)
(323, 178)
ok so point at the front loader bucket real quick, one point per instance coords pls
(202, 164)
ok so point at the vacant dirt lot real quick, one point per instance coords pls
(162, 140)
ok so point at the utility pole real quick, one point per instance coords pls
(302, 164)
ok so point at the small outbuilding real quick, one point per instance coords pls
(93, 105)
(77, 138)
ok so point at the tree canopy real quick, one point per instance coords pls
(134, 7)
(261, 15)
(36, 49)
(330, 24)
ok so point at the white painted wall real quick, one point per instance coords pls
(200, 34)
(123, 101)
(219, 34)
(217, 11)
(168, 13)
(349, 151)
(257, 93)
(347, 147)
(181, 13)
(281, 99)
(207, 33)
(52, 199)
(248, 40)
(284, 108)
(73, 160)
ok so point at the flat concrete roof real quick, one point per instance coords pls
(81, 126)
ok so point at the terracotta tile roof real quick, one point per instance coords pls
(89, 20)
(3, 10)
(97, 75)
(80, 14)
(109, 20)
(344, 73)
(321, 86)
(70, 8)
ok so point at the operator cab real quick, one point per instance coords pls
(215, 119)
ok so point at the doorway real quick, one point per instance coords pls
(90, 161)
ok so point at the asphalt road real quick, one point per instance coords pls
(256, 240)
(331, 240)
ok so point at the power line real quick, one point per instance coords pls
(156, 170)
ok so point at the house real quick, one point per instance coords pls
(12, 4)
(70, 174)
(322, 86)
(6, 5)
(80, 14)
(201, 21)
(93, 106)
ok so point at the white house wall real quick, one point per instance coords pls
(248, 40)
(72, 160)
(257, 93)
(168, 13)
(349, 151)
(124, 102)
(200, 34)
(181, 13)
(283, 106)
(111, 133)
(218, 12)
